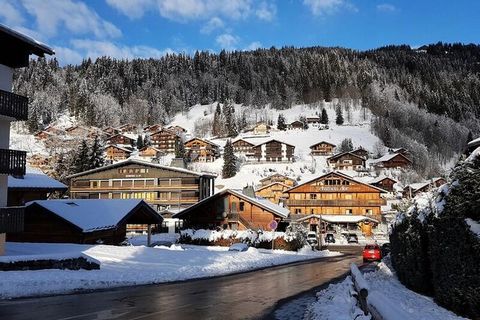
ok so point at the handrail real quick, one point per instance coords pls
(13, 105)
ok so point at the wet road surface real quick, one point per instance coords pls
(251, 295)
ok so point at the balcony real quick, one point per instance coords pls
(12, 162)
(11, 219)
(336, 203)
(14, 106)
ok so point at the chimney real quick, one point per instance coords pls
(178, 163)
(249, 191)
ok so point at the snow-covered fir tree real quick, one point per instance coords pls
(339, 119)
(324, 117)
(96, 157)
(281, 124)
(229, 161)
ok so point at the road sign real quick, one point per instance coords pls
(273, 225)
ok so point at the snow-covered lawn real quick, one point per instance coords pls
(336, 303)
(135, 265)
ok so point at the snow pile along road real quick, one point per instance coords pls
(135, 265)
(336, 303)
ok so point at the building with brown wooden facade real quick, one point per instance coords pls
(152, 128)
(360, 151)
(128, 127)
(180, 131)
(83, 221)
(322, 148)
(201, 150)
(165, 140)
(335, 193)
(272, 151)
(116, 153)
(346, 161)
(149, 152)
(122, 139)
(277, 177)
(272, 192)
(242, 146)
(161, 186)
(313, 121)
(232, 209)
(414, 189)
(78, 131)
(295, 125)
(110, 131)
(384, 183)
(392, 160)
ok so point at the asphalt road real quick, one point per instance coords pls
(251, 295)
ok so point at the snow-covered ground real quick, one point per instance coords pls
(336, 303)
(135, 265)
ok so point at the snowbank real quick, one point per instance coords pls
(136, 265)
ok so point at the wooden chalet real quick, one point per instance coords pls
(384, 183)
(403, 151)
(295, 125)
(38, 161)
(261, 128)
(42, 135)
(322, 148)
(110, 131)
(163, 187)
(34, 185)
(346, 161)
(122, 139)
(150, 152)
(127, 128)
(165, 140)
(313, 121)
(335, 194)
(116, 153)
(83, 221)
(152, 128)
(392, 160)
(272, 151)
(272, 192)
(414, 189)
(77, 131)
(201, 150)
(277, 177)
(180, 131)
(232, 209)
(242, 146)
(360, 151)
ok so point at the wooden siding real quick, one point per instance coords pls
(322, 149)
(272, 192)
(198, 150)
(272, 151)
(347, 162)
(165, 140)
(115, 154)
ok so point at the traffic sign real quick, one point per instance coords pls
(273, 225)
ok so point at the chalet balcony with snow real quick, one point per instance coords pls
(14, 53)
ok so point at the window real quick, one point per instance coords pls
(369, 212)
(241, 206)
(298, 211)
(312, 211)
(313, 196)
(348, 211)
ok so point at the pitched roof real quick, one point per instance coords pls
(118, 147)
(35, 179)
(242, 139)
(259, 201)
(274, 140)
(143, 163)
(94, 214)
(276, 174)
(338, 155)
(204, 140)
(271, 184)
(33, 46)
(340, 175)
(325, 142)
(389, 157)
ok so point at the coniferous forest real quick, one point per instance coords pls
(427, 99)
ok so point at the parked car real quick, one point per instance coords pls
(329, 238)
(385, 249)
(240, 247)
(372, 252)
(352, 238)
(312, 238)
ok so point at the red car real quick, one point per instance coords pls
(372, 252)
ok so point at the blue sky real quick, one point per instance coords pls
(150, 28)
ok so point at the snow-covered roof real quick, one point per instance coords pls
(339, 218)
(91, 214)
(324, 142)
(143, 163)
(35, 179)
(474, 142)
(420, 185)
(338, 155)
(118, 147)
(388, 157)
(36, 47)
(271, 184)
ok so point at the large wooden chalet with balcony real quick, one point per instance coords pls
(277, 177)
(15, 51)
(116, 153)
(201, 150)
(392, 160)
(165, 140)
(322, 148)
(161, 186)
(272, 151)
(272, 192)
(242, 146)
(122, 139)
(347, 161)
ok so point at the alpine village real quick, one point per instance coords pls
(257, 183)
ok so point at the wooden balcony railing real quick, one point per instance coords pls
(13, 105)
(12, 162)
(11, 219)
(75, 188)
(336, 203)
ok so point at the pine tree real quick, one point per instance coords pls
(217, 125)
(230, 125)
(324, 117)
(139, 142)
(96, 154)
(147, 141)
(339, 120)
(229, 161)
(281, 125)
(179, 149)
(304, 122)
(346, 145)
(81, 159)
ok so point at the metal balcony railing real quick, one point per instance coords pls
(336, 203)
(12, 162)
(13, 105)
(11, 219)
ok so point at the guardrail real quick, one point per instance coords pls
(373, 302)
(13, 162)
(13, 105)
